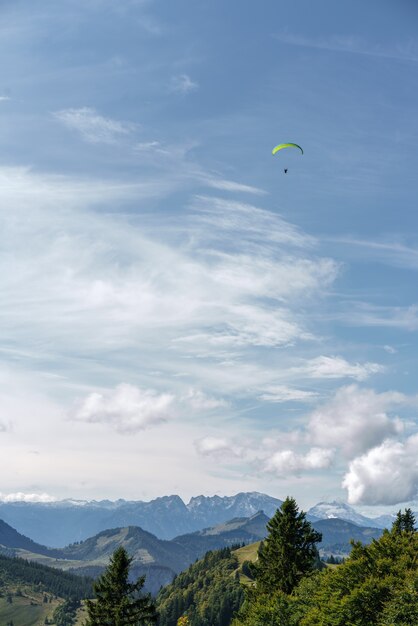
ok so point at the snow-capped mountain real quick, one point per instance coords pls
(340, 510)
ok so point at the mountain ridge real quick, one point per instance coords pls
(61, 523)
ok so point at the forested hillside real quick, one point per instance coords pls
(208, 592)
(277, 582)
(15, 571)
(377, 585)
(32, 594)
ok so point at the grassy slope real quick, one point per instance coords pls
(22, 612)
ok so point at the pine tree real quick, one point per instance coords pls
(118, 602)
(288, 552)
(404, 522)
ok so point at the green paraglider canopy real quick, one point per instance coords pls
(286, 145)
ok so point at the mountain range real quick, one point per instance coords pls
(61, 523)
(159, 559)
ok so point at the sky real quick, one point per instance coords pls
(177, 314)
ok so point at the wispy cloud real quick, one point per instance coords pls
(354, 45)
(93, 282)
(394, 253)
(229, 185)
(365, 314)
(93, 127)
(182, 83)
(283, 393)
(337, 367)
(200, 401)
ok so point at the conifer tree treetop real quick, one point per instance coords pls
(288, 552)
(119, 602)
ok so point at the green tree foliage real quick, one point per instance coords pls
(378, 584)
(63, 584)
(207, 593)
(404, 522)
(119, 602)
(289, 551)
(66, 614)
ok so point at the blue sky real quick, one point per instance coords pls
(178, 315)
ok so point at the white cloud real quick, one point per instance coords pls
(355, 420)
(182, 83)
(282, 393)
(285, 462)
(93, 127)
(26, 497)
(337, 367)
(390, 349)
(217, 447)
(126, 408)
(229, 185)
(138, 285)
(386, 474)
(201, 401)
(364, 314)
(226, 216)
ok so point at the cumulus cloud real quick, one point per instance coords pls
(126, 408)
(93, 127)
(386, 474)
(337, 367)
(26, 497)
(217, 447)
(285, 462)
(355, 420)
(182, 83)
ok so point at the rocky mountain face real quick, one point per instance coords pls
(59, 523)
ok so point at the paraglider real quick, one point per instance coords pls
(286, 145)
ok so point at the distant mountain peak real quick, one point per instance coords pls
(339, 510)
